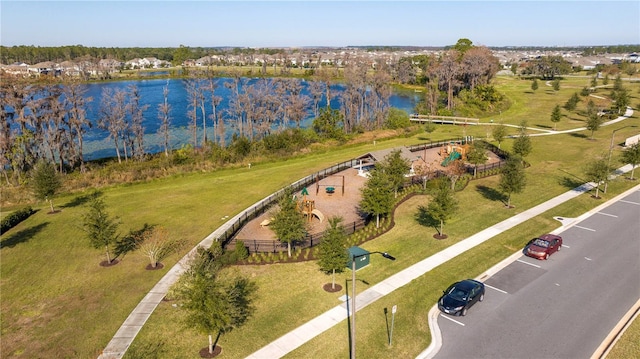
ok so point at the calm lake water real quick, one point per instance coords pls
(97, 145)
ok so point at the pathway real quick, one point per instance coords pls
(127, 332)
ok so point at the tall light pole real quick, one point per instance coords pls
(613, 133)
(353, 296)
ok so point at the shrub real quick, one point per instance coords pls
(16, 217)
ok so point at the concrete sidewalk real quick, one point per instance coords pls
(127, 332)
(295, 338)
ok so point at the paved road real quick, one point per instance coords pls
(561, 308)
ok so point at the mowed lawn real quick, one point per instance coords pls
(58, 302)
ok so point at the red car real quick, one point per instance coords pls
(543, 246)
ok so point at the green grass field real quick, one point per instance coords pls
(58, 302)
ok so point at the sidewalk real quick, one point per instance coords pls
(125, 335)
(295, 338)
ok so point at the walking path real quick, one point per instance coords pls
(137, 318)
(295, 338)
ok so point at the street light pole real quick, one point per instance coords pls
(353, 296)
(613, 133)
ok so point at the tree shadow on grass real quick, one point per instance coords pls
(492, 194)
(578, 135)
(131, 241)
(22, 236)
(571, 180)
(425, 219)
(81, 200)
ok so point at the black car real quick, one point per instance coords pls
(460, 296)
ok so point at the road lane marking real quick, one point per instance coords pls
(607, 214)
(630, 202)
(587, 258)
(531, 264)
(451, 319)
(566, 246)
(494, 288)
(586, 229)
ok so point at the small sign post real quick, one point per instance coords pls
(393, 317)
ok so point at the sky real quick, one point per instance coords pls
(210, 23)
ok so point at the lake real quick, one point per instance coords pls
(98, 145)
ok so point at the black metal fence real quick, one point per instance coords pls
(313, 239)
(310, 240)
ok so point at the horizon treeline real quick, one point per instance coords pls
(35, 54)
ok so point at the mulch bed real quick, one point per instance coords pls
(109, 264)
(204, 352)
(328, 288)
(158, 266)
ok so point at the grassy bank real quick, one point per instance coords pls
(58, 302)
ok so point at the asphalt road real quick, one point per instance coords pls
(560, 308)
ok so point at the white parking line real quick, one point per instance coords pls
(531, 264)
(630, 202)
(587, 258)
(586, 229)
(565, 246)
(494, 288)
(451, 319)
(607, 214)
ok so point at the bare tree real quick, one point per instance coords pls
(447, 72)
(136, 113)
(75, 103)
(164, 115)
(112, 115)
(192, 114)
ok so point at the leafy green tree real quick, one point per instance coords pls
(556, 116)
(329, 124)
(594, 81)
(550, 66)
(593, 119)
(332, 251)
(443, 205)
(396, 167)
(556, 85)
(617, 83)
(214, 305)
(605, 80)
(597, 172)
(377, 195)
(100, 227)
(512, 177)
(514, 68)
(522, 144)
(180, 55)
(397, 118)
(534, 85)
(45, 182)
(477, 155)
(288, 223)
(572, 102)
(621, 100)
(498, 133)
(631, 155)
(463, 45)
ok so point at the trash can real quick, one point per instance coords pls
(362, 257)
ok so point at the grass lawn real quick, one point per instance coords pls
(58, 302)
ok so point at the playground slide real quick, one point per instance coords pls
(452, 157)
(318, 214)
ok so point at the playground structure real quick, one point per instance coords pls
(331, 188)
(453, 151)
(308, 208)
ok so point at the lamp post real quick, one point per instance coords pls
(613, 133)
(353, 296)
